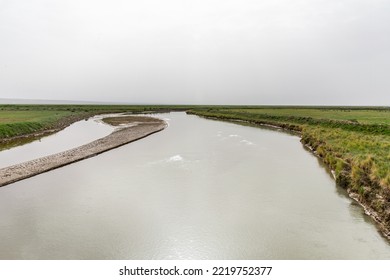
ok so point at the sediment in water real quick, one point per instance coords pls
(116, 139)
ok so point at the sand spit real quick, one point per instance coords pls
(116, 139)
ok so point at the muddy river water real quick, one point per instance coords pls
(200, 189)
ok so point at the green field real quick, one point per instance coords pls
(15, 123)
(361, 116)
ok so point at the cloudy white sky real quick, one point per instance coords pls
(197, 51)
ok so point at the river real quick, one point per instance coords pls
(200, 189)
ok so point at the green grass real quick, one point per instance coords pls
(353, 115)
(9, 116)
(14, 123)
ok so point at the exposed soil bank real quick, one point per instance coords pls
(381, 218)
(120, 137)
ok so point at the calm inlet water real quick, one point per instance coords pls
(200, 189)
(77, 134)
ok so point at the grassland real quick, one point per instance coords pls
(353, 142)
(14, 123)
(363, 116)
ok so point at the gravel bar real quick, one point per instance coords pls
(116, 139)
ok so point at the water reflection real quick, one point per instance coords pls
(75, 135)
(19, 142)
(193, 191)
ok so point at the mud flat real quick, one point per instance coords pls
(130, 130)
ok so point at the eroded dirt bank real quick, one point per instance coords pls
(140, 128)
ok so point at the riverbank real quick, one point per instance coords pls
(26, 133)
(23, 123)
(131, 130)
(357, 153)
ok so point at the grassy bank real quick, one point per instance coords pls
(22, 120)
(353, 142)
(15, 123)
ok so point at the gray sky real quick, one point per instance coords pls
(200, 51)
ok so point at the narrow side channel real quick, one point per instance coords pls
(116, 139)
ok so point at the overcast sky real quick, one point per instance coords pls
(325, 52)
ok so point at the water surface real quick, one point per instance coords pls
(77, 134)
(200, 189)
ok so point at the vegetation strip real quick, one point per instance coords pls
(19, 123)
(358, 154)
(116, 139)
